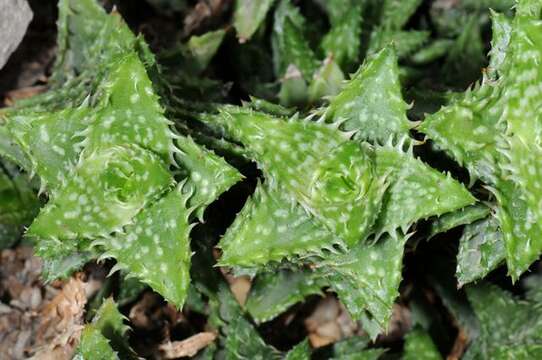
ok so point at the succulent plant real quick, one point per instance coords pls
(133, 157)
(497, 123)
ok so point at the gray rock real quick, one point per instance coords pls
(15, 15)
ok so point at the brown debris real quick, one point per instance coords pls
(39, 321)
(329, 323)
(187, 347)
(204, 13)
(240, 287)
(23, 93)
(460, 345)
(152, 314)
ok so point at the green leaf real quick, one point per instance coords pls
(271, 227)
(464, 216)
(343, 40)
(63, 267)
(509, 328)
(431, 52)
(327, 81)
(396, 13)
(404, 42)
(208, 174)
(521, 232)
(106, 335)
(273, 293)
(481, 250)
(248, 16)
(10, 149)
(419, 345)
(155, 248)
(82, 49)
(371, 103)
(468, 129)
(93, 345)
(106, 190)
(416, 190)
(201, 49)
(269, 107)
(367, 278)
(354, 348)
(131, 112)
(502, 30)
(52, 141)
(293, 88)
(244, 342)
(290, 47)
(301, 351)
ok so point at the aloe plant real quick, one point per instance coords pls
(309, 180)
(495, 144)
(108, 176)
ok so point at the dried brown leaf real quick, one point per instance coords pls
(187, 347)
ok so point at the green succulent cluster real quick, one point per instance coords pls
(120, 181)
(127, 162)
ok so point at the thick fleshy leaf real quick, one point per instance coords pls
(88, 37)
(301, 351)
(131, 112)
(248, 16)
(343, 40)
(327, 81)
(62, 267)
(371, 102)
(464, 216)
(367, 278)
(208, 174)
(271, 227)
(396, 13)
(521, 112)
(330, 176)
(200, 50)
(468, 129)
(110, 322)
(433, 192)
(51, 141)
(155, 248)
(431, 52)
(93, 345)
(289, 44)
(293, 88)
(521, 231)
(509, 328)
(501, 27)
(481, 250)
(355, 348)
(244, 343)
(273, 293)
(106, 333)
(405, 42)
(10, 149)
(419, 345)
(106, 190)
